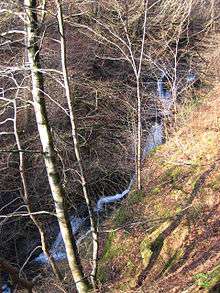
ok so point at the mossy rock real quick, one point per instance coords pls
(109, 250)
(173, 259)
(170, 248)
(148, 245)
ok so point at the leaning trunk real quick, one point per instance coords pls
(48, 147)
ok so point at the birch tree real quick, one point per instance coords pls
(75, 138)
(49, 152)
(119, 39)
(126, 32)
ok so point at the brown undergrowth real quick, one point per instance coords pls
(166, 239)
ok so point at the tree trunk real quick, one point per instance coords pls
(76, 141)
(48, 147)
(138, 142)
(25, 197)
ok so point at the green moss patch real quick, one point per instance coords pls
(135, 197)
(121, 216)
(152, 242)
(207, 280)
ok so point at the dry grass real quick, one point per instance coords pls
(170, 176)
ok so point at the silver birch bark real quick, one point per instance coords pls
(76, 141)
(48, 147)
(125, 47)
(138, 75)
(25, 197)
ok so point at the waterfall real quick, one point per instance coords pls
(154, 138)
(58, 249)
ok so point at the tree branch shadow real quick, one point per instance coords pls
(157, 245)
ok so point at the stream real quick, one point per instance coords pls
(154, 139)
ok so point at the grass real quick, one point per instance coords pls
(135, 197)
(121, 216)
(169, 181)
(215, 184)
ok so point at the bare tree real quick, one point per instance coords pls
(119, 39)
(76, 140)
(148, 39)
(49, 152)
(126, 29)
(25, 194)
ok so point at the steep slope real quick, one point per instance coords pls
(167, 239)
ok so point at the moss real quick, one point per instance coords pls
(214, 277)
(124, 287)
(109, 251)
(215, 184)
(207, 280)
(121, 216)
(173, 259)
(155, 190)
(152, 242)
(174, 173)
(157, 244)
(135, 197)
(153, 151)
(130, 267)
(114, 248)
(103, 274)
(146, 253)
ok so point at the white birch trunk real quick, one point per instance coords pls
(76, 141)
(139, 131)
(48, 147)
(25, 197)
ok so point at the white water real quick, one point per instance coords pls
(155, 138)
(6, 289)
(112, 198)
(58, 249)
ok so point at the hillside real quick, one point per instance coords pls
(167, 238)
(109, 145)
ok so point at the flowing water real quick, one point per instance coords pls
(154, 138)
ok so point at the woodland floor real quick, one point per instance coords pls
(167, 239)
